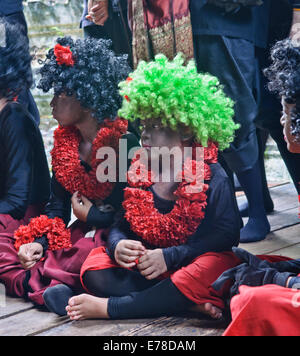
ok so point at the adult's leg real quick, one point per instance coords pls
(262, 136)
(233, 62)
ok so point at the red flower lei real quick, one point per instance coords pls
(58, 236)
(66, 164)
(172, 229)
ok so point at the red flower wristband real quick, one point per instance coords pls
(55, 230)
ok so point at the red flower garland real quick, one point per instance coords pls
(70, 173)
(58, 236)
(172, 229)
(63, 55)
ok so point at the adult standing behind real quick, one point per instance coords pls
(270, 108)
(225, 39)
(108, 19)
(13, 12)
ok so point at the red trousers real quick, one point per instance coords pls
(61, 266)
(194, 280)
(268, 310)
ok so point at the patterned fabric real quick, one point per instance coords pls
(160, 27)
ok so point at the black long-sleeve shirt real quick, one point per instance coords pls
(24, 172)
(59, 204)
(219, 230)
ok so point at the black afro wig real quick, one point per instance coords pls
(284, 76)
(93, 78)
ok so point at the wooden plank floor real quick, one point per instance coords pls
(19, 318)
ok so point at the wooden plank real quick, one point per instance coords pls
(180, 326)
(275, 241)
(290, 251)
(284, 219)
(97, 327)
(164, 326)
(29, 322)
(284, 197)
(10, 306)
(286, 207)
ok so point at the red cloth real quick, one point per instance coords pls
(193, 281)
(268, 310)
(62, 266)
(9, 224)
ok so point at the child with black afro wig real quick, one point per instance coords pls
(93, 77)
(284, 77)
(84, 75)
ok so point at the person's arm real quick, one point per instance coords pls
(295, 30)
(119, 231)
(98, 11)
(218, 232)
(19, 163)
(59, 204)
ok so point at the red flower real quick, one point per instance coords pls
(63, 55)
(54, 229)
(172, 229)
(66, 161)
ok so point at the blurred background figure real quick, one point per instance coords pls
(12, 10)
(108, 19)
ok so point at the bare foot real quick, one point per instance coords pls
(85, 306)
(208, 309)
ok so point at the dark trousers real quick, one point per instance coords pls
(115, 29)
(232, 61)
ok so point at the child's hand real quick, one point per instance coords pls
(30, 254)
(81, 206)
(127, 252)
(152, 264)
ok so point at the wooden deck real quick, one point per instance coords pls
(20, 318)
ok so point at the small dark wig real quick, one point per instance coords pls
(284, 77)
(15, 60)
(93, 78)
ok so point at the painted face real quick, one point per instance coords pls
(154, 134)
(293, 143)
(165, 145)
(66, 110)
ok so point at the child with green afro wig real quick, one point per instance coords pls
(178, 95)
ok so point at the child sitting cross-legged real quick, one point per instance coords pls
(171, 240)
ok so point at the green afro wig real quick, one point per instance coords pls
(177, 94)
